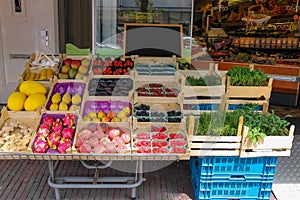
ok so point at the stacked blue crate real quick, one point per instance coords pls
(232, 177)
(239, 106)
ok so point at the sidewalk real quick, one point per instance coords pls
(26, 179)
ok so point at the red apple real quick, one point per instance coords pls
(68, 61)
(75, 64)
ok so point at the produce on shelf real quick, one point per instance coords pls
(43, 60)
(243, 76)
(66, 96)
(103, 139)
(32, 87)
(110, 87)
(155, 69)
(74, 69)
(15, 136)
(112, 67)
(41, 75)
(55, 134)
(207, 80)
(144, 114)
(218, 123)
(30, 97)
(40, 67)
(159, 141)
(263, 124)
(157, 90)
(106, 111)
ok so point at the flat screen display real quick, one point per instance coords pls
(157, 40)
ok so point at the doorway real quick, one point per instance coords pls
(75, 23)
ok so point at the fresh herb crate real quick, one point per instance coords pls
(203, 91)
(248, 94)
(207, 145)
(267, 146)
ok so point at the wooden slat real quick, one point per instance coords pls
(268, 146)
(216, 138)
(215, 145)
(214, 153)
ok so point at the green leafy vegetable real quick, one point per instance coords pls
(208, 80)
(243, 76)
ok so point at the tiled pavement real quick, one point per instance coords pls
(26, 179)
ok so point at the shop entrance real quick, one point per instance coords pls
(75, 24)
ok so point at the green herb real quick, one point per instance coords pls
(218, 123)
(243, 76)
(207, 80)
(226, 124)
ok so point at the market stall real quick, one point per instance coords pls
(137, 108)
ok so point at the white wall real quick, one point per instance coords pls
(21, 34)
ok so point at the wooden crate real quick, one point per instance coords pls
(106, 104)
(82, 125)
(162, 99)
(268, 146)
(204, 98)
(145, 127)
(226, 104)
(154, 61)
(37, 112)
(33, 71)
(62, 83)
(130, 93)
(202, 105)
(55, 116)
(79, 58)
(214, 145)
(248, 91)
(204, 91)
(159, 107)
(27, 119)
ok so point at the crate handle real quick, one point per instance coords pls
(237, 178)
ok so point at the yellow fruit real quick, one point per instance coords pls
(76, 99)
(124, 119)
(54, 106)
(63, 106)
(121, 114)
(115, 120)
(56, 98)
(86, 118)
(73, 108)
(93, 114)
(32, 87)
(101, 114)
(95, 120)
(34, 102)
(127, 110)
(15, 101)
(66, 98)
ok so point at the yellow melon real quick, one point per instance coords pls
(15, 101)
(32, 87)
(34, 102)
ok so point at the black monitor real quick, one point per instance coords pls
(155, 40)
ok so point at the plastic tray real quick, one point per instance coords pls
(225, 167)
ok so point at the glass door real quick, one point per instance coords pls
(109, 17)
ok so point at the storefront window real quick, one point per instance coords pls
(110, 17)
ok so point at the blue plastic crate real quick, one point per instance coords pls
(239, 106)
(254, 189)
(207, 106)
(225, 167)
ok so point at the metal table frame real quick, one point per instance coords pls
(68, 182)
(96, 182)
